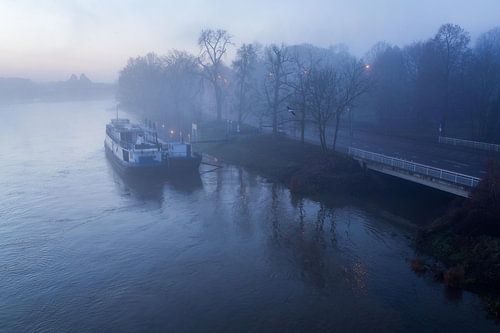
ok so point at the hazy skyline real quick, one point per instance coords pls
(49, 40)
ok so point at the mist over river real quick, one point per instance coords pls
(83, 249)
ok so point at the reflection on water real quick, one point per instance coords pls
(82, 248)
(151, 188)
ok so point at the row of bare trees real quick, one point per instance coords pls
(265, 85)
(320, 86)
(442, 82)
(300, 84)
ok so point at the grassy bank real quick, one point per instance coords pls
(304, 168)
(308, 171)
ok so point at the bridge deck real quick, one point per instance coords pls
(444, 180)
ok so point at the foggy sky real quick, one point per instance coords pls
(50, 39)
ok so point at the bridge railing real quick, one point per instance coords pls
(471, 144)
(421, 169)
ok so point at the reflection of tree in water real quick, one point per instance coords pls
(242, 204)
(219, 182)
(304, 242)
(275, 214)
(308, 240)
(309, 247)
(324, 213)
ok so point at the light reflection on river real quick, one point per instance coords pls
(83, 249)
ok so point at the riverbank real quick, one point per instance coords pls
(302, 167)
(467, 241)
(307, 171)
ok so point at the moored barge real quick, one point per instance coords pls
(135, 150)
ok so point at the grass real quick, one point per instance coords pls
(304, 168)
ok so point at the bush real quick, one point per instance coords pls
(454, 277)
(480, 214)
(418, 265)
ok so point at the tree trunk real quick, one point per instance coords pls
(275, 121)
(276, 106)
(303, 119)
(302, 127)
(322, 136)
(337, 122)
(242, 103)
(218, 102)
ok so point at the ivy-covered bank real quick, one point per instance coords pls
(467, 241)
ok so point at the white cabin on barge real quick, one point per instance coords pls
(131, 147)
(134, 149)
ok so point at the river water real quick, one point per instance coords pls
(82, 249)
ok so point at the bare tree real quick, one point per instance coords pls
(183, 87)
(213, 47)
(452, 45)
(323, 85)
(276, 86)
(140, 84)
(355, 81)
(300, 85)
(244, 67)
(332, 92)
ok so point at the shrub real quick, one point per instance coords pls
(454, 277)
(418, 265)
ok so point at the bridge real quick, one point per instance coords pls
(444, 180)
(446, 164)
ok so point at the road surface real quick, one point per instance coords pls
(468, 161)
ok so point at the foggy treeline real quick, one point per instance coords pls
(19, 90)
(447, 82)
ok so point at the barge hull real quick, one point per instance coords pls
(143, 170)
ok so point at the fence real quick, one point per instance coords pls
(416, 168)
(470, 144)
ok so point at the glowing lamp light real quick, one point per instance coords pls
(172, 132)
(367, 66)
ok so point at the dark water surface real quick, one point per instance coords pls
(82, 249)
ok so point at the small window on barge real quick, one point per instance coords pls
(125, 155)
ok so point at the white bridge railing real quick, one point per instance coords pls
(416, 168)
(471, 144)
